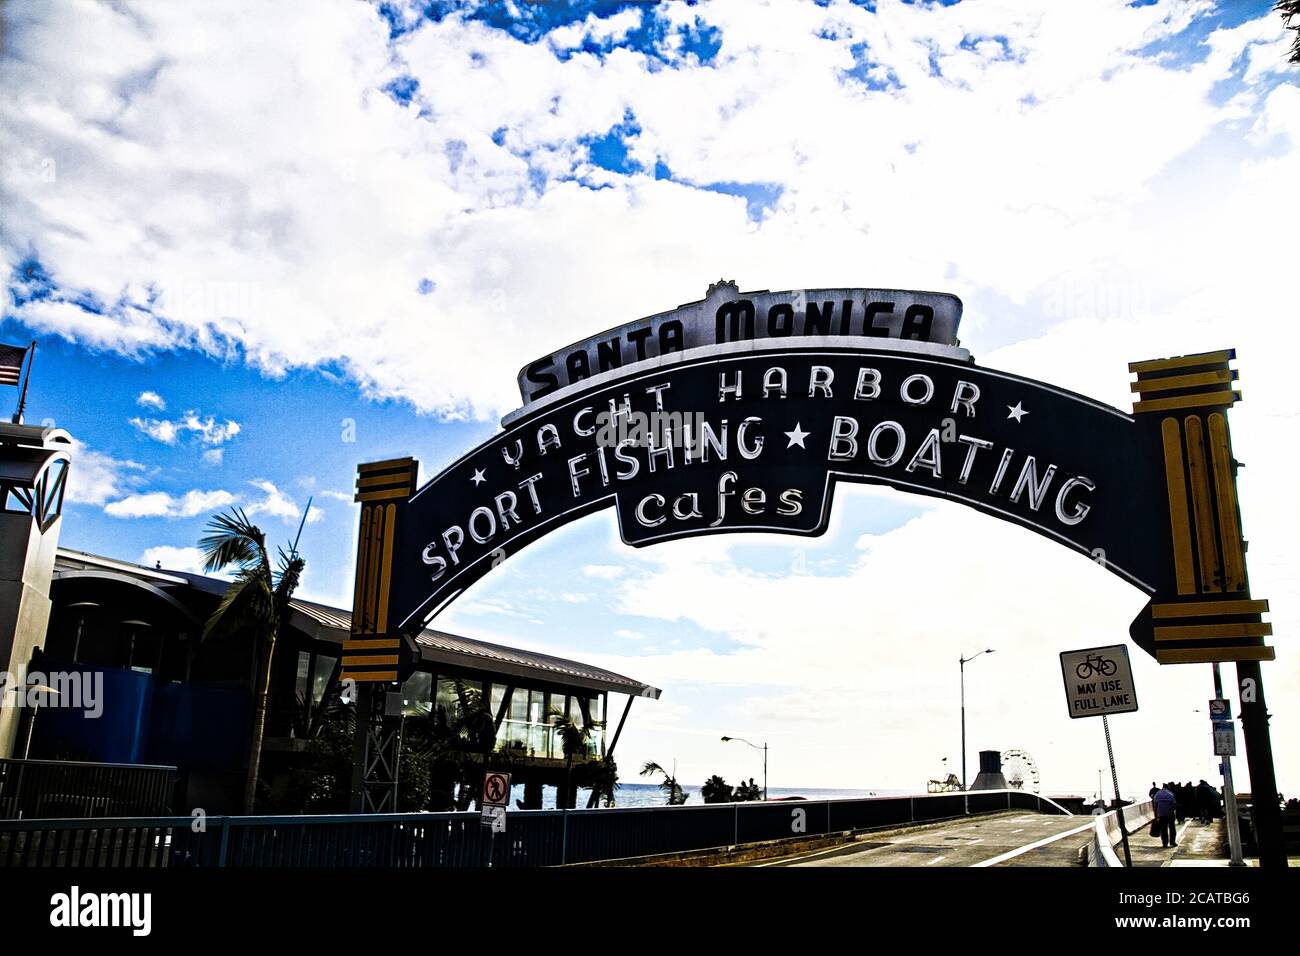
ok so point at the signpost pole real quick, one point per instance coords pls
(1265, 813)
(1229, 791)
(492, 808)
(1119, 803)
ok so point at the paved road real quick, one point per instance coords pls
(1004, 839)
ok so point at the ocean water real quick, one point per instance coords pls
(649, 795)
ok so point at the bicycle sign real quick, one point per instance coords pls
(1098, 681)
(1095, 664)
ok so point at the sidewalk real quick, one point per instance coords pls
(1198, 845)
(1194, 841)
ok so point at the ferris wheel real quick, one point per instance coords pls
(1019, 769)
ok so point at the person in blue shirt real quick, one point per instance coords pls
(1166, 816)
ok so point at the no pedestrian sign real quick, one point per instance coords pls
(1098, 681)
(496, 789)
(496, 794)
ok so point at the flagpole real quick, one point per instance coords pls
(22, 396)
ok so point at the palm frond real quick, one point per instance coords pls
(287, 576)
(231, 539)
(246, 603)
(1289, 9)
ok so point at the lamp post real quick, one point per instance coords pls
(83, 608)
(756, 747)
(963, 661)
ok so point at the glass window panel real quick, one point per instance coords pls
(447, 701)
(519, 704)
(417, 695)
(304, 673)
(473, 689)
(495, 697)
(321, 677)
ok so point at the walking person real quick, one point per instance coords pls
(1206, 802)
(1166, 815)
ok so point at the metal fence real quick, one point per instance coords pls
(411, 840)
(66, 788)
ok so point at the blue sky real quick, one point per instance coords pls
(348, 249)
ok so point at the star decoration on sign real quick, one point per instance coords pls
(796, 436)
(478, 478)
(1016, 412)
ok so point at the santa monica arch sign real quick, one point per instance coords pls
(744, 411)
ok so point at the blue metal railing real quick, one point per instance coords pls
(69, 788)
(415, 840)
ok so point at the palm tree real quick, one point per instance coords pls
(602, 776)
(669, 785)
(573, 738)
(746, 792)
(1289, 9)
(257, 601)
(716, 790)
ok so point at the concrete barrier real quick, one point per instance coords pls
(1105, 832)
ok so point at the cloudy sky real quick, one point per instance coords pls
(260, 242)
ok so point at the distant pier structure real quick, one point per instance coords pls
(990, 775)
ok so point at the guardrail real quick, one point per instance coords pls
(532, 837)
(68, 788)
(1105, 832)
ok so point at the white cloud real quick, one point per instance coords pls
(998, 176)
(277, 504)
(149, 399)
(160, 504)
(604, 572)
(95, 477)
(335, 495)
(599, 29)
(174, 559)
(157, 429)
(206, 430)
(214, 456)
(269, 501)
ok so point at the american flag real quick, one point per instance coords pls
(11, 363)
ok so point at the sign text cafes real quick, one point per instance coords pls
(756, 441)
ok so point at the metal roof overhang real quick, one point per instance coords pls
(331, 624)
(324, 623)
(95, 574)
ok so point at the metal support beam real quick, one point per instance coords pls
(609, 751)
(376, 752)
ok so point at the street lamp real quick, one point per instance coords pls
(963, 662)
(756, 747)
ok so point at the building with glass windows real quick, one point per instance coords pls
(168, 697)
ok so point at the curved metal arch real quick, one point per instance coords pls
(1110, 485)
(118, 578)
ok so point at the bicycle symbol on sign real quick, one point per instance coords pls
(1095, 664)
